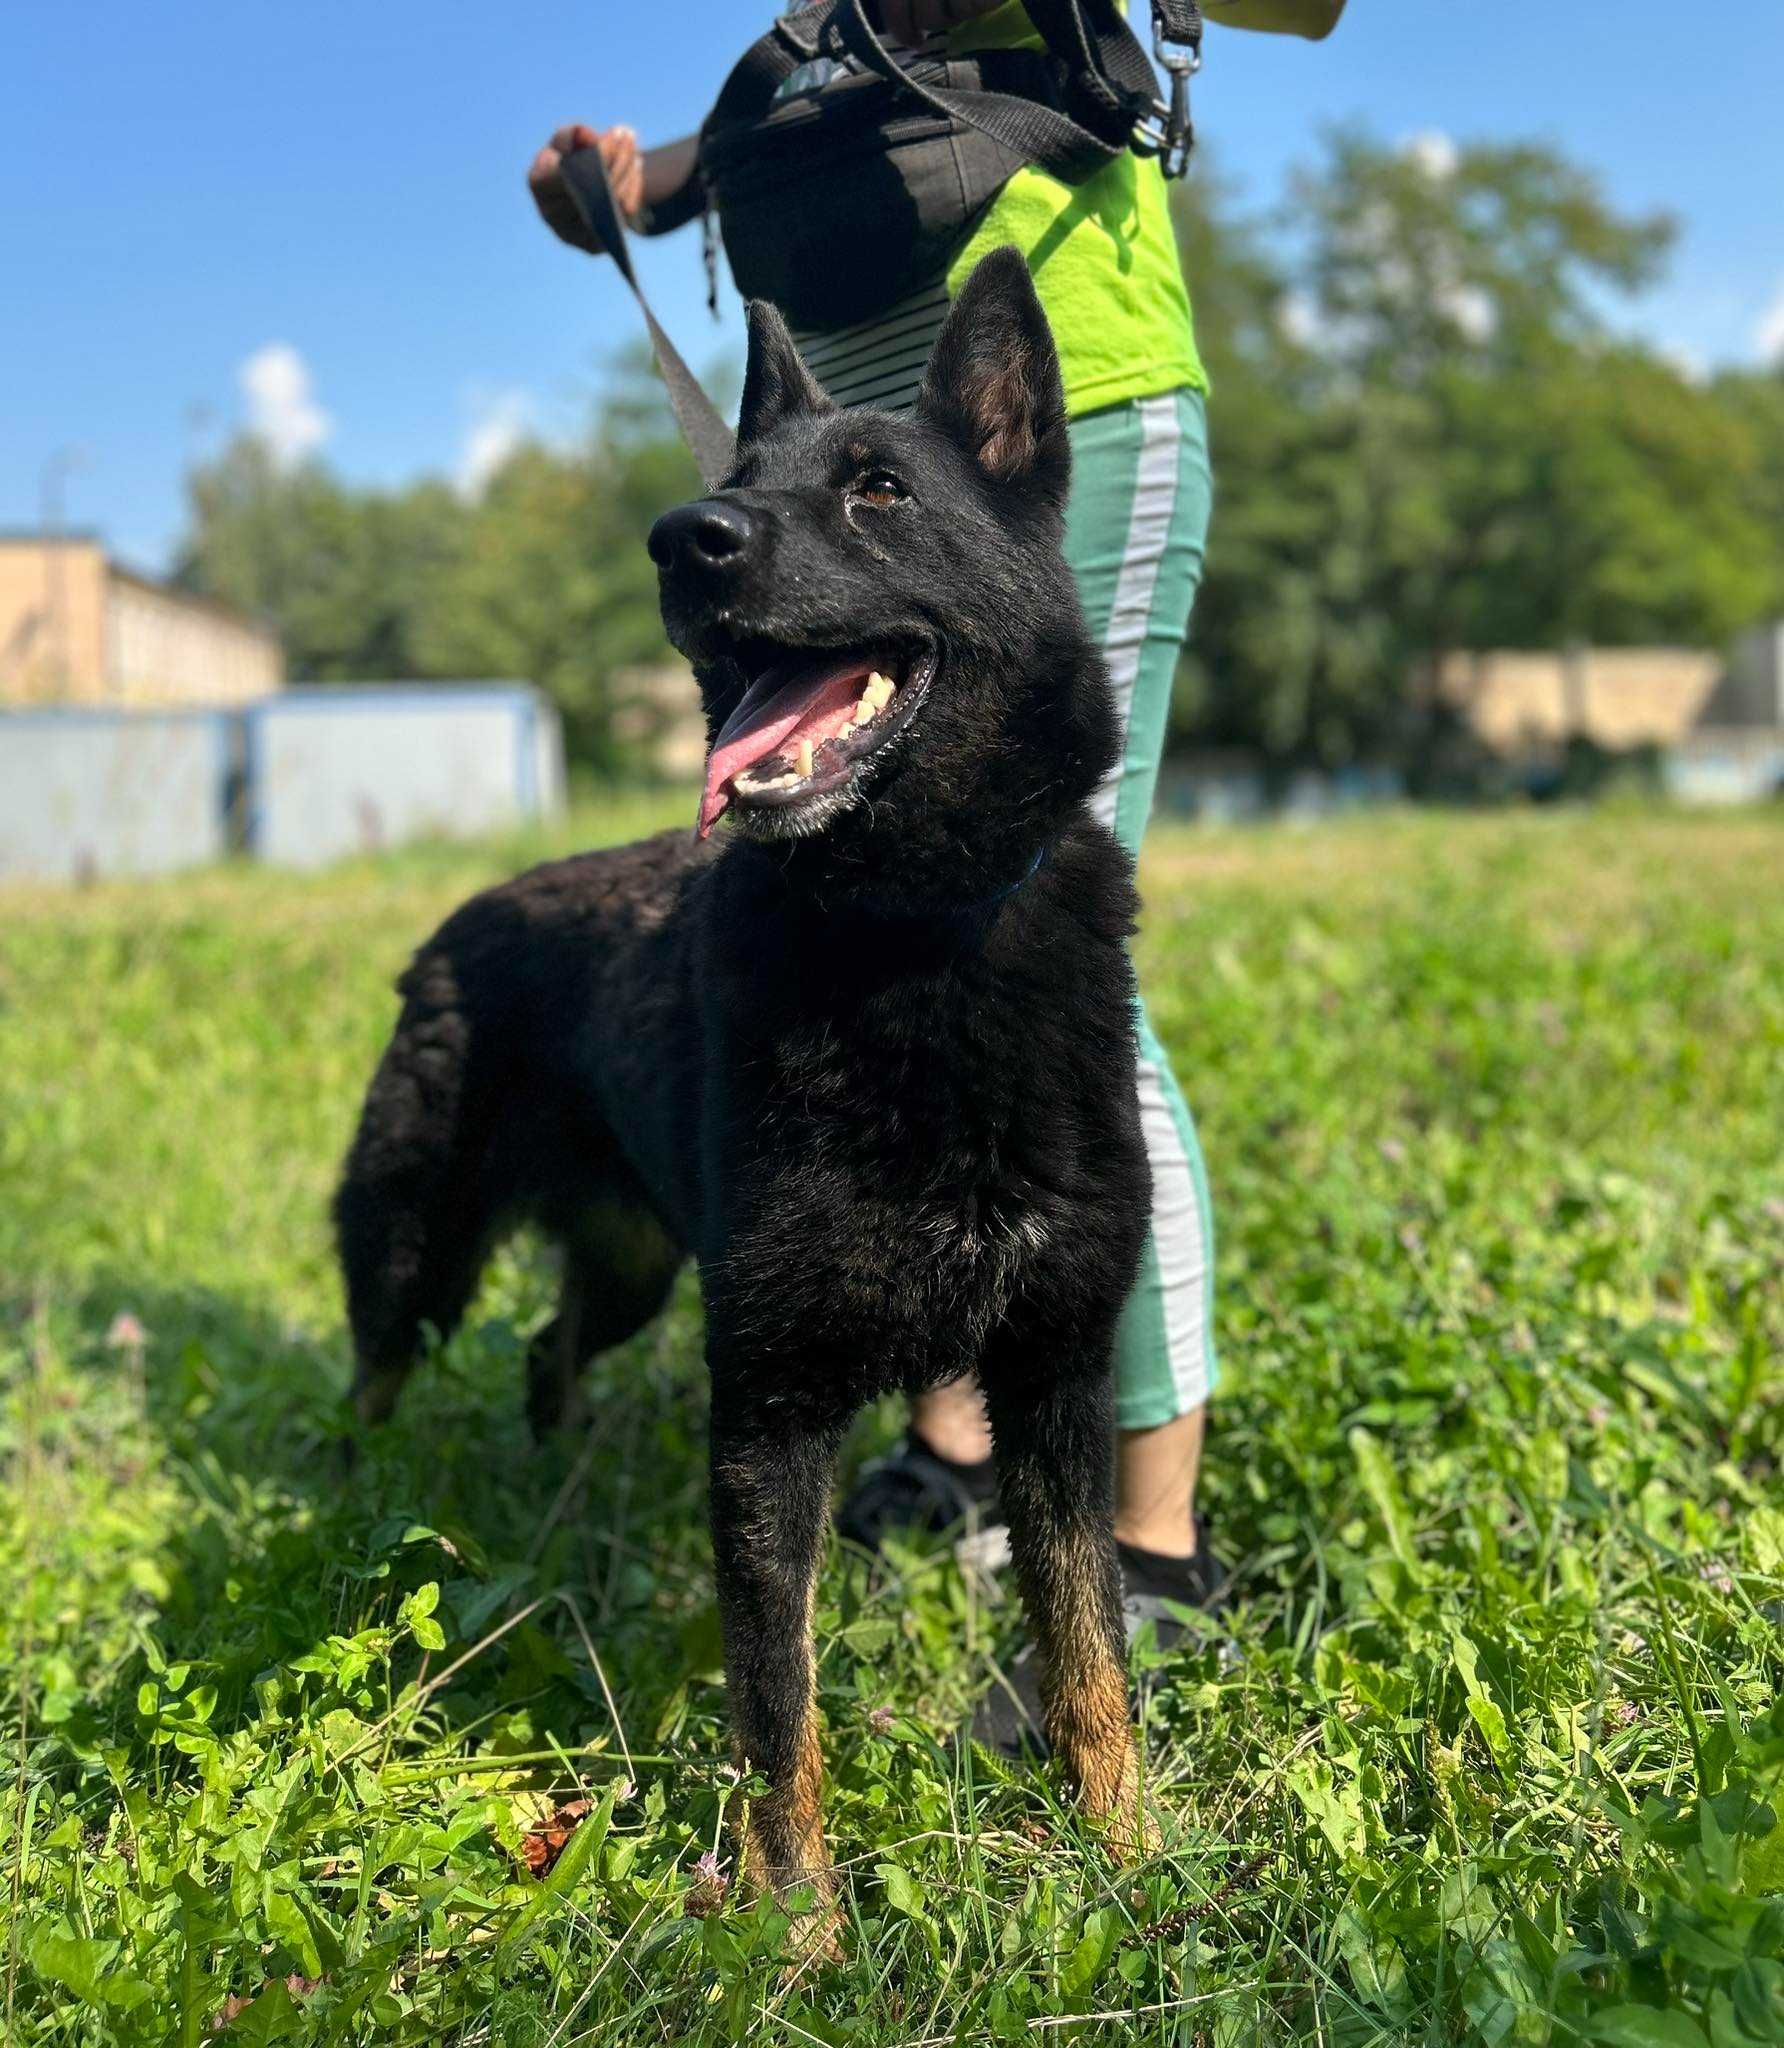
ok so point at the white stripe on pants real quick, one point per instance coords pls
(1179, 1228)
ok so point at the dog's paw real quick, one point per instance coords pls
(809, 1895)
(814, 1934)
(373, 1397)
(1111, 1797)
(1133, 1833)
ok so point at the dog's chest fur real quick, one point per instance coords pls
(912, 1127)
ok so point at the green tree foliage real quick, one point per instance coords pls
(1756, 403)
(553, 582)
(1426, 437)
(347, 576)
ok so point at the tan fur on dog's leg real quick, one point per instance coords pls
(781, 1833)
(770, 1496)
(1055, 1458)
(1085, 1702)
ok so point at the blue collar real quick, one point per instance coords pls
(959, 915)
(1021, 882)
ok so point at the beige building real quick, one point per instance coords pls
(658, 721)
(77, 629)
(1620, 697)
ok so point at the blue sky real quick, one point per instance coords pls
(319, 209)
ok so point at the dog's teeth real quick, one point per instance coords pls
(874, 698)
(803, 759)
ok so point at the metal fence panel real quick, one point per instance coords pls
(300, 778)
(89, 793)
(1734, 767)
(333, 771)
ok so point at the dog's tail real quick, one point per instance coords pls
(411, 1215)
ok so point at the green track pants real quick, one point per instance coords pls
(1135, 530)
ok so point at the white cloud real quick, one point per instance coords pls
(1768, 336)
(500, 422)
(1688, 361)
(282, 408)
(1433, 151)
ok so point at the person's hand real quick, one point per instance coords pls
(909, 21)
(625, 174)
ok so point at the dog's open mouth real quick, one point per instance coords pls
(805, 725)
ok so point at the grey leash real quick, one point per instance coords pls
(709, 440)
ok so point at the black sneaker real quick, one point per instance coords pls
(917, 1488)
(1008, 1718)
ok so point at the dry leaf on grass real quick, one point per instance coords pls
(546, 1840)
(237, 2003)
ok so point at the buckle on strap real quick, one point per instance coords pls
(1164, 129)
(802, 38)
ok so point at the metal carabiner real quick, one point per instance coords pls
(1176, 56)
(1167, 132)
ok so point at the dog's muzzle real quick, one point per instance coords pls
(708, 539)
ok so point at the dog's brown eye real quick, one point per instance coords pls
(877, 487)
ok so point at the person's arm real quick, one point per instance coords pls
(672, 192)
(655, 189)
(1310, 18)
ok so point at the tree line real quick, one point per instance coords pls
(1429, 433)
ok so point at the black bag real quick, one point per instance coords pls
(834, 203)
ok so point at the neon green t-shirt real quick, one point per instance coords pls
(1103, 257)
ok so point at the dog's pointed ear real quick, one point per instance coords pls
(993, 380)
(776, 383)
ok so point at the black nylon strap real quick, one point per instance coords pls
(709, 440)
(1063, 29)
(770, 60)
(1093, 39)
(1178, 21)
(1038, 134)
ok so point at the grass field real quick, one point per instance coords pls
(1493, 1108)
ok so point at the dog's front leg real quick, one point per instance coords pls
(1055, 1441)
(770, 1499)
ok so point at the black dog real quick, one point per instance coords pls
(872, 1065)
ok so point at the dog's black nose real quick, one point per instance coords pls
(708, 534)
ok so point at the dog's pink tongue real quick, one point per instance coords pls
(780, 709)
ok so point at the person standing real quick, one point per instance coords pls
(1104, 261)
